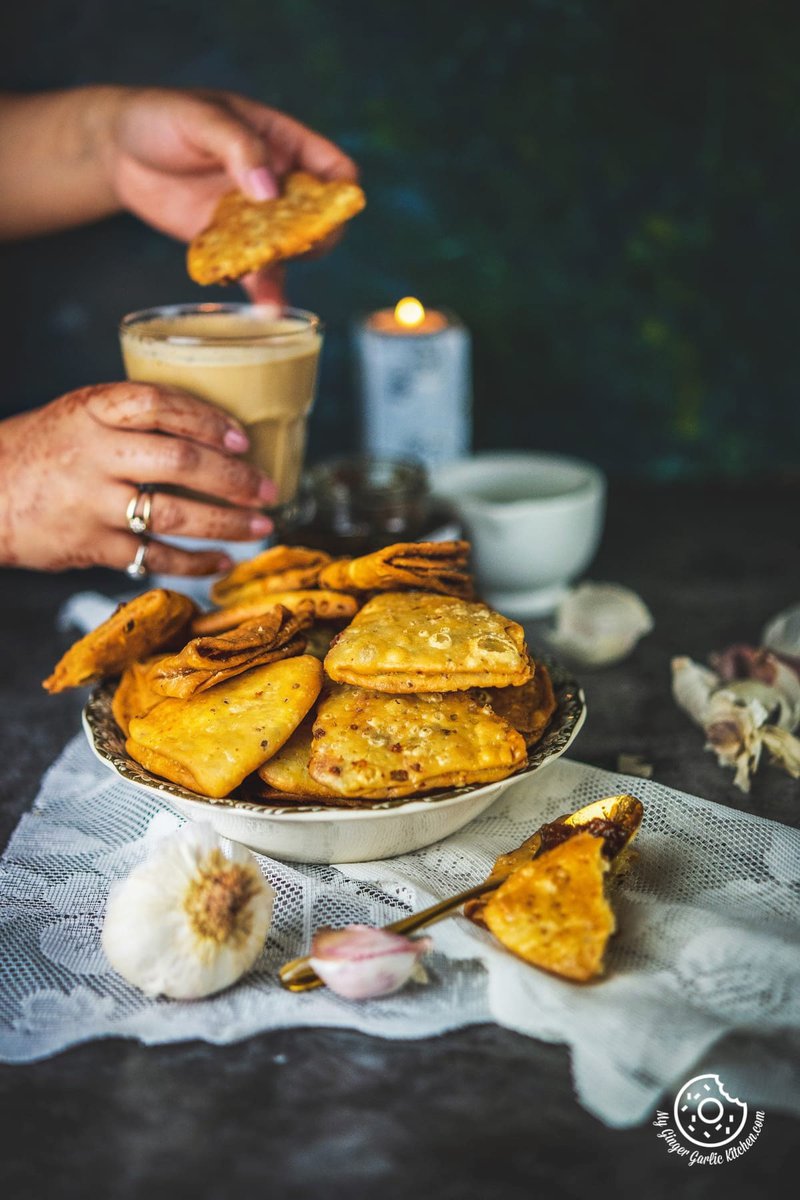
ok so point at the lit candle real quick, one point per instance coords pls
(415, 379)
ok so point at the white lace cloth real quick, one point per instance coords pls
(708, 940)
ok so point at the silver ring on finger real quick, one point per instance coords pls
(138, 568)
(138, 512)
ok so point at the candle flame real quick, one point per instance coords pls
(409, 312)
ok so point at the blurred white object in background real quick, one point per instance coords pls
(534, 521)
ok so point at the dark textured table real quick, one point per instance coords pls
(480, 1112)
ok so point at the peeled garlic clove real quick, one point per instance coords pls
(692, 688)
(360, 962)
(600, 623)
(191, 919)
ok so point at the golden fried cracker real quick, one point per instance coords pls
(246, 235)
(615, 820)
(423, 566)
(214, 740)
(420, 642)
(206, 662)
(279, 569)
(148, 623)
(134, 696)
(527, 707)
(287, 771)
(365, 743)
(324, 605)
(163, 766)
(553, 911)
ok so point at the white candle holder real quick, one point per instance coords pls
(415, 385)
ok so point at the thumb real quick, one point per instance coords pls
(244, 155)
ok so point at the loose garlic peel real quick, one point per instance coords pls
(742, 717)
(191, 919)
(600, 623)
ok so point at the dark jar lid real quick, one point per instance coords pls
(356, 505)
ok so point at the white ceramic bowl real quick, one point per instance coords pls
(378, 829)
(534, 521)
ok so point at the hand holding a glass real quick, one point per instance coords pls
(70, 470)
(257, 362)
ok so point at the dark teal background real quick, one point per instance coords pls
(607, 194)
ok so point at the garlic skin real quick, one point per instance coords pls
(759, 673)
(734, 732)
(600, 623)
(781, 705)
(741, 717)
(191, 919)
(784, 748)
(360, 963)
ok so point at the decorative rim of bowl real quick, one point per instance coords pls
(107, 741)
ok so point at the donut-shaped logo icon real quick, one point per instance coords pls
(706, 1115)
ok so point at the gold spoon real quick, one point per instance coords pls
(624, 810)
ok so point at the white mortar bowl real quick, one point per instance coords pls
(534, 520)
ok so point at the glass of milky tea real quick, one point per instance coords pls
(258, 362)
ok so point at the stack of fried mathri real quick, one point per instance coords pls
(322, 681)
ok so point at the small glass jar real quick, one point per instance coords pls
(353, 506)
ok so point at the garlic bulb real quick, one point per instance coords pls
(599, 623)
(191, 919)
(692, 688)
(360, 962)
